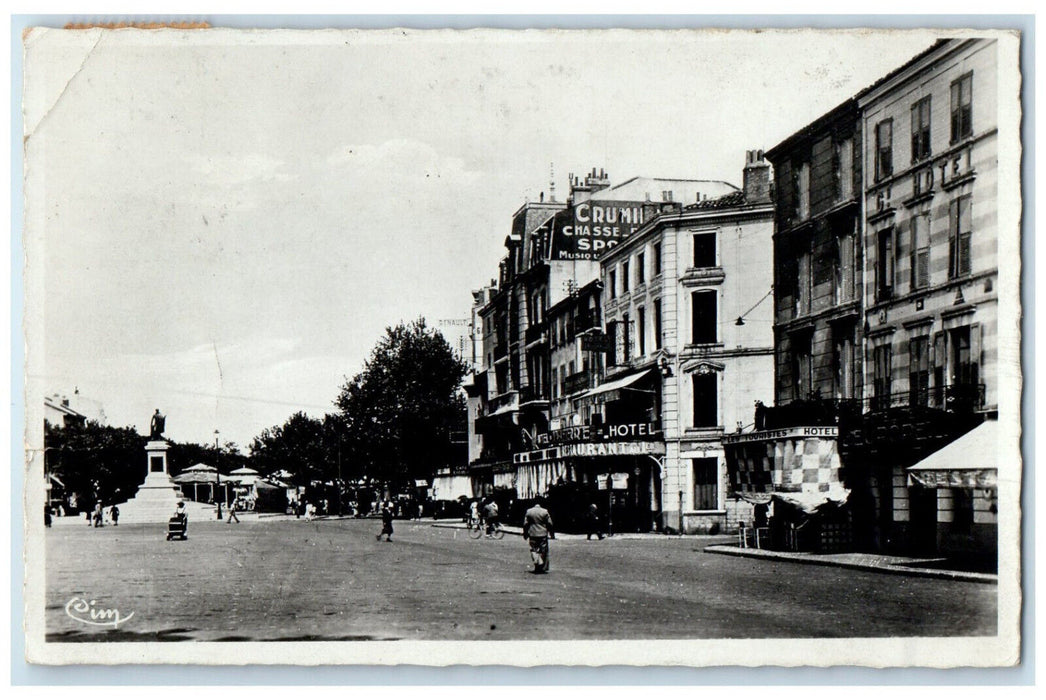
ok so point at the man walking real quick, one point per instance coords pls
(537, 528)
(114, 515)
(233, 508)
(595, 523)
(386, 521)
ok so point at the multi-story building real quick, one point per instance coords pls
(931, 301)
(886, 249)
(552, 253)
(686, 305)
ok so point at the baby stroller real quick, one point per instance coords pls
(177, 526)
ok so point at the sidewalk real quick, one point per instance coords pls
(904, 566)
(518, 531)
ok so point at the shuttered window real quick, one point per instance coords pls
(920, 258)
(962, 107)
(706, 483)
(960, 226)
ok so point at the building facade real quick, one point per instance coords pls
(885, 262)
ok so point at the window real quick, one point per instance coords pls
(962, 108)
(612, 284)
(921, 251)
(625, 281)
(963, 366)
(657, 324)
(626, 338)
(640, 268)
(706, 483)
(801, 379)
(921, 130)
(845, 278)
(641, 330)
(881, 377)
(657, 259)
(884, 149)
(801, 188)
(843, 363)
(960, 228)
(884, 265)
(703, 317)
(704, 250)
(843, 169)
(803, 283)
(555, 384)
(919, 371)
(706, 400)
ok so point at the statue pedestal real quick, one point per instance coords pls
(158, 496)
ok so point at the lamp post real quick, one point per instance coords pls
(217, 474)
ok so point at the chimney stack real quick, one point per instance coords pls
(756, 178)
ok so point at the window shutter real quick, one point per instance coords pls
(953, 228)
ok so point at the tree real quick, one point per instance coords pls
(95, 462)
(398, 413)
(297, 446)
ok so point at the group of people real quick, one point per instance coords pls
(96, 517)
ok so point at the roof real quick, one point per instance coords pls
(641, 189)
(727, 201)
(837, 112)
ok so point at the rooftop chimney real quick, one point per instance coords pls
(756, 178)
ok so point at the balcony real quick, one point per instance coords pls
(587, 320)
(579, 381)
(509, 398)
(952, 398)
(536, 333)
(530, 393)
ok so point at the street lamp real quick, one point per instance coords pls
(217, 474)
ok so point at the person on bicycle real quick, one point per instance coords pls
(490, 514)
(474, 514)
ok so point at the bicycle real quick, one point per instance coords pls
(476, 526)
(496, 531)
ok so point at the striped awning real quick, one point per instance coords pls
(970, 461)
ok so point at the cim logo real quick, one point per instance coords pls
(82, 610)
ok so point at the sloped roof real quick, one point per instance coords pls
(641, 189)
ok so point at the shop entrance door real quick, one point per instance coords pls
(922, 519)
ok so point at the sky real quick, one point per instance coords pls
(221, 224)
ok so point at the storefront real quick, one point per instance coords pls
(792, 477)
(953, 496)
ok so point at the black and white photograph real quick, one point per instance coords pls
(690, 347)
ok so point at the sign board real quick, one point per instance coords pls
(596, 341)
(591, 228)
(605, 432)
(784, 434)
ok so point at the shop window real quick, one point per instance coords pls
(921, 130)
(706, 400)
(884, 149)
(960, 231)
(704, 319)
(920, 257)
(704, 250)
(962, 511)
(962, 108)
(706, 483)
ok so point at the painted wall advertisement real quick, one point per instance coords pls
(590, 228)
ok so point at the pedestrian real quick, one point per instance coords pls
(537, 528)
(595, 523)
(490, 514)
(233, 508)
(47, 515)
(310, 510)
(114, 515)
(98, 514)
(386, 521)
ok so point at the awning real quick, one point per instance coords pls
(970, 461)
(616, 384)
(807, 501)
(507, 408)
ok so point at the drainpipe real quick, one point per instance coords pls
(680, 513)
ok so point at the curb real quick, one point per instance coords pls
(947, 574)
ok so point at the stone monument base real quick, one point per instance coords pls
(158, 495)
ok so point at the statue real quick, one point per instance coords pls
(156, 426)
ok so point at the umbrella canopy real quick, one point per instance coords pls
(199, 477)
(244, 471)
(200, 467)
